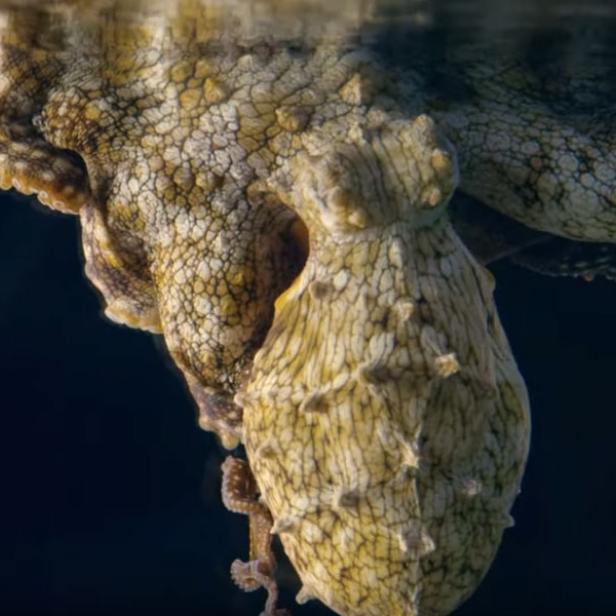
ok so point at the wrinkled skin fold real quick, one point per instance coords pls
(275, 206)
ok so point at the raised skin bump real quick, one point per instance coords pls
(239, 494)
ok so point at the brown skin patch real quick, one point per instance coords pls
(240, 495)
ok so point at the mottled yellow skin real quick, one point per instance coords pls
(177, 136)
(385, 420)
(208, 157)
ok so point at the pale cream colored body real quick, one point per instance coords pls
(385, 420)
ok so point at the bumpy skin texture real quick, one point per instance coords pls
(385, 420)
(386, 423)
(555, 172)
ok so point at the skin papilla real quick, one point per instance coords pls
(273, 201)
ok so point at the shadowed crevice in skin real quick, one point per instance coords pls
(218, 411)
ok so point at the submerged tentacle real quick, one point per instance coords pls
(31, 166)
(553, 169)
(239, 494)
(119, 271)
(31, 61)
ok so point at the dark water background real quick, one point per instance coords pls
(109, 500)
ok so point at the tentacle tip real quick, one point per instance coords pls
(243, 577)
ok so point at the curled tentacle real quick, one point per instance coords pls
(239, 494)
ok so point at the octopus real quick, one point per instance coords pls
(274, 201)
